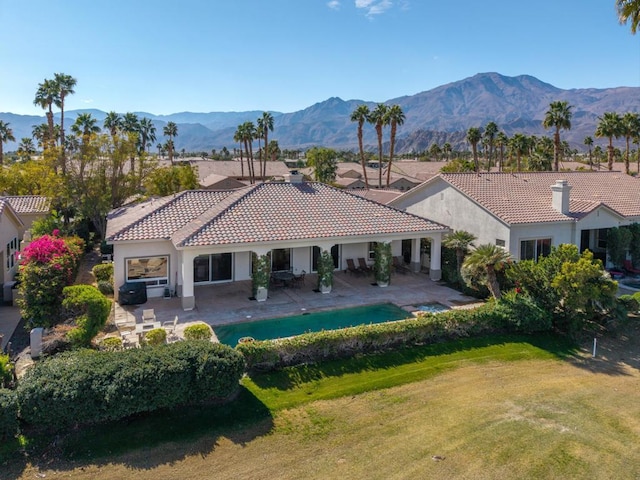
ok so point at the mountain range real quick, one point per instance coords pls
(442, 114)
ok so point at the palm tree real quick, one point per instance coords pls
(46, 96)
(361, 115)
(265, 124)
(501, 141)
(40, 133)
(473, 137)
(519, 144)
(446, 150)
(588, 141)
(482, 264)
(26, 148)
(460, 241)
(147, 133)
(238, 137)
(379, 118)
(395, 117)
(6, 135)
(558, 116)
(629, 10)
(274, 150)
(170, 130)
(630, 124)
(609, 126)
(114, 123)
(247, 133)
(65, 84)
(490, 132)
(84, 127)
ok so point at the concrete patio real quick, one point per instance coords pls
(230, 302)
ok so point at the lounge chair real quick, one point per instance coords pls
(148, 316)
(628, 266)
(362, 263)
(351, 267)
(399, 266)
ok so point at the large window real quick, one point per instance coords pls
(280, 259)
(12, 249)
(217, 267)
(151, 270)
(535, 248)
(315, 254)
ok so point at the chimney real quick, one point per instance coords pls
(293, 177)
(560, 196)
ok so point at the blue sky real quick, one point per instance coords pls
(166, 56)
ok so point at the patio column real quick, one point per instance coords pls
(415, 255)
(435, 272)
(261, 271)
(325, 270)
(188, 295)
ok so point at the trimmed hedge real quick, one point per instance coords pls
(199, 331)
(103, 272)
(517, 313)
(89, 307)
(87, 386)
(8, 413)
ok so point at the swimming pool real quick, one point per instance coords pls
(309, 322)
(433, 307)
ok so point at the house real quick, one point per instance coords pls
(235, 169)
(527, 213)
(204, 237)
(349, 175)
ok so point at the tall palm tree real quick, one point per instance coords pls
(274, 150)
(609, 126)
(46, 97)
(170, 130)
(460, 241)
(588, 141)
(265, 124)
(501, 142)
(519, 145)
(361, 115)
(239, 138)
(473, 137)
(629, 10)
(40, 134)
(379, 119)
(6, 135)
(65, 84)
(490, 131)
(395, 117)
(247, 134)
(147, 133)
(630, 124)
(84, 127)
(26, 148)
(114, 124)
(259, 135)
(558, 116)
(481, 266)
(446, 150)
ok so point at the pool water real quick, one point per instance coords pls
(310, 322)
(434, 307)
(634, 285)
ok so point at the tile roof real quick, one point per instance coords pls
(527, 197)
(265, 212)
(25, 204)
(380, 195)
(232, 168)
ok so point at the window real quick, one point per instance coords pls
(280, 259)
(151, 270)
(372, 250)
(217, 267)
(500, 242)
(535, 248)
(315, 254)
(12, 253)
(601, 238)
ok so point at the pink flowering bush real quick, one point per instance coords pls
(47, 265)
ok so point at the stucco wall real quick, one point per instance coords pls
(558, 233)
(9, 229)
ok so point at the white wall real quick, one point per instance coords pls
(9, 229)
(558, 233)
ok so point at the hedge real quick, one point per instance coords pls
(103, 272)
(8, 413)
(89, 307)
(517, 313)
(199, 331)
(88, 386)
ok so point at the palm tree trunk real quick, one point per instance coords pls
(392, 142)
(379, 132)
(556, 150)
(610, 152)
(364, 168)
(492, 283)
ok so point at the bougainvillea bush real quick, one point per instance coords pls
(47, 265)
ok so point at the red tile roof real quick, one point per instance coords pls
(527, 197)
(24, 204)
(261, 213)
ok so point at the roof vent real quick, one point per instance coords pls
(293, 177)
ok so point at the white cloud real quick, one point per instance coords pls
(374, 7)
(87, 100)
(334, 4)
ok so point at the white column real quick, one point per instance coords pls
(435, 270)
(415, 255)
(188, 295)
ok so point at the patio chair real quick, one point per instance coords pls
(170, 327)
(298, 280)
(628, 266)
(362, 264)
(129, 339)
(351, 267)
(148, 316)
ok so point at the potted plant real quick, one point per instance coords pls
(325, 272)
(382, 265)
(260, 276)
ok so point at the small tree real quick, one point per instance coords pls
(325, 270)
(481, 266)
(460, 241)
(382, 263)
(618, 242)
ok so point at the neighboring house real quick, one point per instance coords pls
(237, 170)
(220, 182)
(203, 237)
(527, 213)
(29, 208)
(349, 175)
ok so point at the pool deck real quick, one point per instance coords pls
(230, 302)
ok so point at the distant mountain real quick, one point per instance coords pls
(443, 114)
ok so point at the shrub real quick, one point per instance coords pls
(8, 413)
(106, 288)
(103, 272)
(157, 336)
(6, 370)
(111, 344)
(631, 303)
(88, 386)
(90, 309)
(199, 331)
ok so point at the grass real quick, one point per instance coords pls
(500, 407)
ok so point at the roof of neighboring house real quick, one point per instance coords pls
(232, 168)
(25, 204)
(5, 207)
(527, 197)
(265, 212)
(420, 170)
(380, 195)
(211, 181)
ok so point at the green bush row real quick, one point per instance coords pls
(514, 313)
(89, 307)
(8, 413)
(88, 386)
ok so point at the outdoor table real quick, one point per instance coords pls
(284, 276)
(142, 328)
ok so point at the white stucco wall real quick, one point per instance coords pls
(559, 233)
(9, 229)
